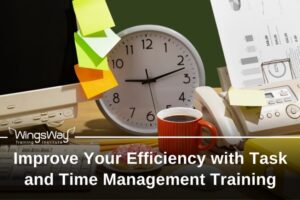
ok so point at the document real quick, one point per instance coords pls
(247, 97)
(260, 39)
(91, 51)
(95, 82)
(93, 16)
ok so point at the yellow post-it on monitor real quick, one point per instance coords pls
(93, 16)
(92, 51)
(247, 97)
(95, 82)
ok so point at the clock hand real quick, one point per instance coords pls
(152, 97)
(136, 80)
(161, 76)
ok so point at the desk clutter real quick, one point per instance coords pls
(149, 81)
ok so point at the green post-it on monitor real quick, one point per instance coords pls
(93, 16)
(87, 58)
(92, 50)
(103, 43)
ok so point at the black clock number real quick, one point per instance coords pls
(150, 116)
(129, 49)
(116, 98)
(119, 63)
(166, 47)
(188, 79)
(132, 111)
(147, 44)
(181, 60)
(182, 97)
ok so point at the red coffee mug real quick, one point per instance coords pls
(188, 123)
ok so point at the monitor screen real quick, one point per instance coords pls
(37, 44)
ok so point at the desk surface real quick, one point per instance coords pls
(90, 121)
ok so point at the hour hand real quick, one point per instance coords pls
(152, 80)
(135, 80)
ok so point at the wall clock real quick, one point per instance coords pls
(156, 68)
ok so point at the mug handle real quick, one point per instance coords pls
(213, 132)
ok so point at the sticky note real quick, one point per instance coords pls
(247, 97)
(103, 44)
(93, 16)
(89, 59)
(91, 51)
(95, 82)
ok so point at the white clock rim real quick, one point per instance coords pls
(155, 28)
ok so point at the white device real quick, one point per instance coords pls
(280, 117)
(156, 68)
(38, 84)
(44, 106)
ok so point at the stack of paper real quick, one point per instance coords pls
(94, 41)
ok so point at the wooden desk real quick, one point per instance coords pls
(90, 121)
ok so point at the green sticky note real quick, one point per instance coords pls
(87, 58)
(93, 16)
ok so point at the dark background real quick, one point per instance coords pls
(192, 18)
(37, 41)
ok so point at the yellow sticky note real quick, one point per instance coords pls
(95, 82)
(247, 97)
(93, 16)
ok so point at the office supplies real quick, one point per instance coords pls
(269, 70)
(93, 16)
(95, 82)
(280, 117)
(252, 49)
(92, 51)
(12, 176)
(246, 97)
(157, 68)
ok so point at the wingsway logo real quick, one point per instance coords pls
(46, 137)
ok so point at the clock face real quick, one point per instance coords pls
(155, 71)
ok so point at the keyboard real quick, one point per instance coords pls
(12, 176)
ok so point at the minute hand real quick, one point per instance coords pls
(161, 76)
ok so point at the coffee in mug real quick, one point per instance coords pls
(184, 122)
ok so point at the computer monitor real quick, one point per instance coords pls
(38, 84)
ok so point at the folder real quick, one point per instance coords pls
(93, 16)
(95, 82)
(91, 51)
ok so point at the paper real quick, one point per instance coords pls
(91, 51)
(247, 97)
(93, 16)
(254, 34)
(95, 82)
